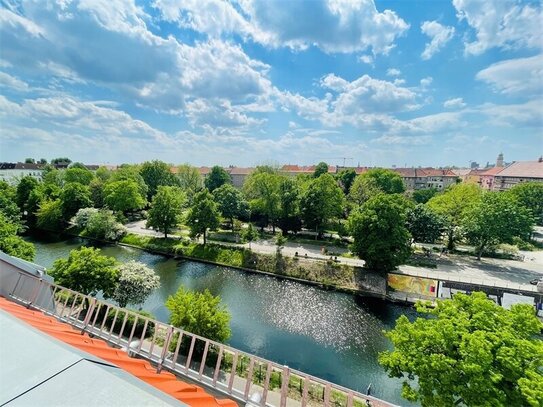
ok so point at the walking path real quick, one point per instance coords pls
(461, 268)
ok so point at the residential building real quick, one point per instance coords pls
(11, 172)
(239, 175)
(413, 178)
(439, 179)
(462, 173)
(486, 178)
(517, 172)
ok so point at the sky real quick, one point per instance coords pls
(246, 82)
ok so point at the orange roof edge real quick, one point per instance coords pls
(166, 382)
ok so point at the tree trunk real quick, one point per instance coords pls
(165, 234)
(273, 228)
(204, 237)
(450, 242)
(232, 223)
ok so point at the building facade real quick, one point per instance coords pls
(518, 172)
(12, 172)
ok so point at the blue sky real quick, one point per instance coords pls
(430, 83)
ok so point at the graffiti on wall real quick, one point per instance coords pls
(414, 285)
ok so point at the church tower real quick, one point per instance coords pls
(499, 161)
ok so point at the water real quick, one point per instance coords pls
(330, 335)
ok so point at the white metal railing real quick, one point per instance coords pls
(237, 374)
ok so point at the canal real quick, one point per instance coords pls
(331, 335)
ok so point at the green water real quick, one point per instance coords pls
(330, 335)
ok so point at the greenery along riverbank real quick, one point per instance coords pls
(328, 273)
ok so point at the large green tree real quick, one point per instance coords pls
(74, 196)
(346, 178)
(289, 205)
(216, 178)
(24, 188)
(123, 196)
(78, 174)
(166, 209)
(425, 225)
(262, 189)
(8, 204)
(422, 196)
(13, 244)
(49, 215)
(379, 231)
(189, 178)
(376, 181)
(203, 215)
(530, 195)
(155, 174)
(497, 218)
(231, 202)
(453, 205)
(199, 313)
(321, 201)
(130, 173)
(469, 352)
(320, 168)
(87, 271)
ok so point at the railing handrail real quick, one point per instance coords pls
(97, 326)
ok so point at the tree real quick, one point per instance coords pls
(166, 209)
(81, 218)
(96, 188)
(530, 195)
(453, 205)
(87, 271)
(25, 186)
(231, 203)
(373, 182)
(199, 313)
(135, 283)
(8, 205)
(320, 168)
(379, 232)
(289, 206)
(262, 190)
(74, 196)
(216, 178)
(320, 202)
(103, 225)
(249, 235)
(12, 244)
(469, 352)
(49, 215)
(422, 196)
(346, 178)
(30, 161)
(425, 225)
(61, 161)
(78, 165)
(155, 174)
(103, 174)
(189, 178)
(78, 174)
(203, 215)
(130, 173)
(497, 218)
(123, 196)
(52, 176)
(42, 161)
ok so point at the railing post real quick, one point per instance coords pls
(285, 377)
(165, 349)
(88, 316)
(35, 293)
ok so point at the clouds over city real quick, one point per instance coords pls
(253, 76)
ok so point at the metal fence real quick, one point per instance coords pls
(237, 374)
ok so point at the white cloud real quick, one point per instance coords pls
(521, 76)
(332, 25)
(454, 103)
(504, 24)
(393, 72)
(218, 114)
(11, 82)
(523, 115)
(425, 82)
(366, 59)
(399, 140)
(439, 34)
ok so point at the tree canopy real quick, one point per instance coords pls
(497, 218)
(373, 182)
(453, 204)
(155, 174)
(425, 225)
(199, 313)
(123, 196)
(74, 196)
(380, 236)
(216, 178)
(12, 244)
(49, 215)
(320, 168)
(263, 192)
(203, 214)
(231, 203)
(346, 178)
(321, 201)
(422, 196)
(469, 351)
(530, 195)
(78, 174)
(166, 209)
(189, 178)
(87, 271)
(135, 283)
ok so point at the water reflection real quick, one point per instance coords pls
(331, 335)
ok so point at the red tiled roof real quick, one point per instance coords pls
(523, 169)
(492, 171)
(240, 170)
(190, 394)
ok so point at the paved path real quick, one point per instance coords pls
(463, 268)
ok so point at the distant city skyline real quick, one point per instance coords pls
(384, 82)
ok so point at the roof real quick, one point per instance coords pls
(434, 172)
(240, 170)
(28, 166)
(461, 171)
(523, 169)
(491, 171)
(23, 265)
(305, 168)
(51, 367)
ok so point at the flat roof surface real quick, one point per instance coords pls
(37, 370)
